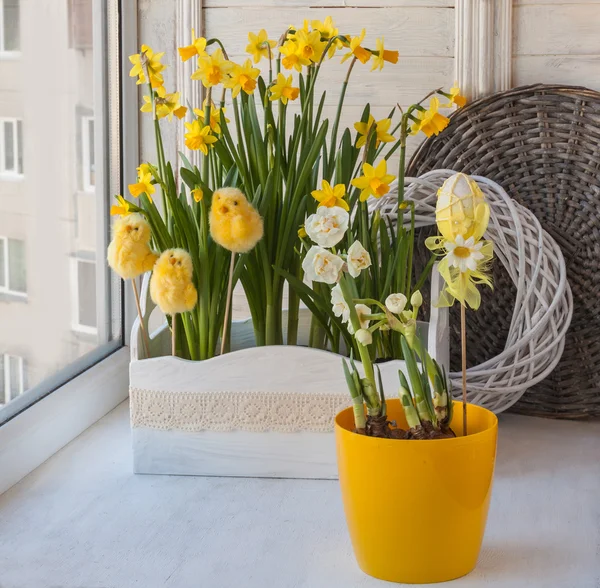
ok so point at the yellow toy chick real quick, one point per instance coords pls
(129, 252)
(171, 286)
(234, 222)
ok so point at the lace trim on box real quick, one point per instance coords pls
(229, 411)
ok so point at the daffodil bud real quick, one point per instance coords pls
(364, 337)
(416, 300)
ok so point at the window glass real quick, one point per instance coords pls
(3, 268)
(12, 25)
(86, 285)
(15, 376)
(55, 322)
(20, 146)
(17, 271)
(9, 143)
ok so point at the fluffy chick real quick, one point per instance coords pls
(234, 223)
(171, 286)
(129, 252)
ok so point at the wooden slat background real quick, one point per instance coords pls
(554, 41)
(557, 41)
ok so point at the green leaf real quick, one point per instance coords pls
(189, 177)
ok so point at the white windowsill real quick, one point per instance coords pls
(10, 55)
(31, 437)
(10, 177)
(84, 519)
(10, 296)
(83, 330)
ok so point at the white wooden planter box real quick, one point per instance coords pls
(257, 411)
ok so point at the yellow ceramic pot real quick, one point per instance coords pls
(416, 510)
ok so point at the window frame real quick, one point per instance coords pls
(6, 289)
(115, 37)
(6, 375)
(87, 186)
(8, 53)
(4, 172)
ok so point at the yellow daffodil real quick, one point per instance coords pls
(147, 62)
(381, 129)
(212, 69)
(374, 182)
(356, 50)
(283, 90)
(144, 184)
(465, 265)
(242, 77)
(293, 30)
(328, 30)
(382, 54)
(143, 169)
(197, 194)
(214, 119)
(302, 232)
(198, 137)
(198, 47)
(166, 104)
(331, 196)
(259, 46)
(309, 45)
(430, 121)
(293, 58)
(455, 97)
(122, 209)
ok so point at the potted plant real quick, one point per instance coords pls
(413, 469)
(287, 170)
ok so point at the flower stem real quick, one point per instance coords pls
(372, 397)
(205, 169)
(336, 123)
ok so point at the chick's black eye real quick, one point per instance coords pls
(179, 263)
(171, 255)
(136, 229)
(235, 202)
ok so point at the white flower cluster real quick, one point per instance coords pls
(327, 228)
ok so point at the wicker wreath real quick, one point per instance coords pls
(541, 143)
(543, 304)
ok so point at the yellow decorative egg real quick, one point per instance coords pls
(461, 209)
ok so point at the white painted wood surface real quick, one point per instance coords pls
(556, 42)
(30, 438)
(82, 519)
(248, 412)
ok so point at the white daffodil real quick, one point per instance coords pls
(396, 303)
(327, 226)
(364, 337)
(358, 259)
(321, 265)
(361, 310)
(340, 306)
(462, 254)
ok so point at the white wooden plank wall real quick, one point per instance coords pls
(556, 42)
(421, 30)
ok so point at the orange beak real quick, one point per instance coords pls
(172, 261)
(224, 210)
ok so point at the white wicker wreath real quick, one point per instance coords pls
(543, 305)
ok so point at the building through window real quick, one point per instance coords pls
(13, 274)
